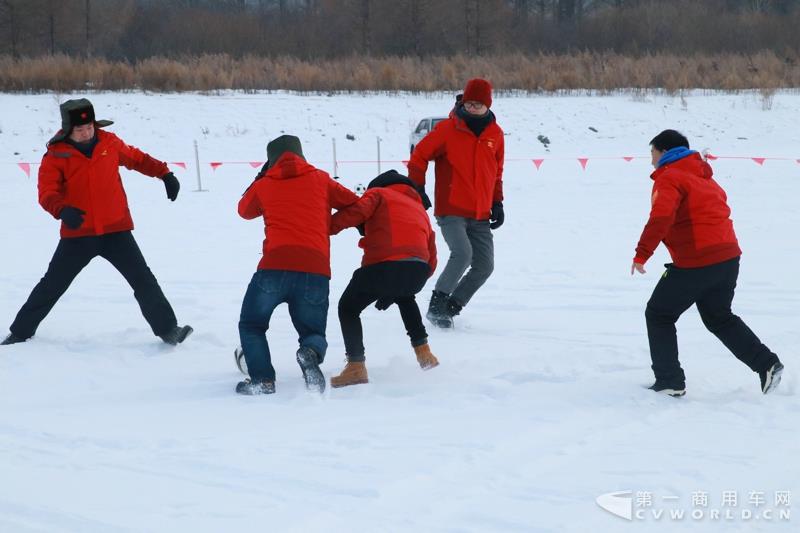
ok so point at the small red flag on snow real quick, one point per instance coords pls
(583, 161)
(538, 163)
(759, 160)
(26, 168)
(256, 164)
(627, 158)
(215, 164)
(179, 164)
(405, 162)
(711, 157)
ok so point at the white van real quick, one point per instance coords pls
(423, 128)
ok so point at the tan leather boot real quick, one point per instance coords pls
(425, 358)
(353, 374)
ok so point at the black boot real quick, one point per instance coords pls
(771, 377)
(177, 335)
(250, 388)
(453, 308)
(309, 362)
(12, 339)
(437, 310)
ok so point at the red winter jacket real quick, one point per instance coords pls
(690, 214)
(67, 177)
(295, 200)
(469, 169)
(396, 225)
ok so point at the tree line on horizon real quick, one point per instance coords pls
(135, 30)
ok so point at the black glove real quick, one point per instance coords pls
(71, 216)
(384, 303)
(498, 215)
(172, 185)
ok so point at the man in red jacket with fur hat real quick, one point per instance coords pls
(468, 150)
(399, 257)
(79, 184)
(690, 215)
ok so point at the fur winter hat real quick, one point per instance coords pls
(280, 145)
(478, 90)
(77, 113)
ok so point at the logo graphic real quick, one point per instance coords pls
(617, 503)
(490, 143)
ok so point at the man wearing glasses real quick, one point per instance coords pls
(468, 152)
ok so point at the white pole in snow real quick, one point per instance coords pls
(379, 155)
(335, 163)
(197, 167)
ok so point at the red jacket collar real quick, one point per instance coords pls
(693, 164)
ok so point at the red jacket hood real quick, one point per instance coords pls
(407, 190)
(289, 165)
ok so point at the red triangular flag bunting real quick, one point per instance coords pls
(538, 163)
(759, 160)
(256, 164)
(711, 157)
(179, 164)
(628, 158)
(583, 161)
(405, 162)
(26, 168)
(215, 164)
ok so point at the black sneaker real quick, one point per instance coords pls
(453, 308)
(177, 335)
(309, 364)
(12, 339)
(241, 362)
(771, 378)
(674, 390)
(248, 388)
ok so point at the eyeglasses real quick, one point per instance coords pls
(474, 105)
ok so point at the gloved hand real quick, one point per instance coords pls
(71, 216)
(172, 185)
(384, 303)
(497, 216)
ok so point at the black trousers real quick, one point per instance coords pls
(71, 256)
(395, 280)
(711, 288)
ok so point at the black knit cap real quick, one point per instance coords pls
(77, 113)
(393, 177)
(280, 145)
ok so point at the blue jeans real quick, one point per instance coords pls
(307, 296)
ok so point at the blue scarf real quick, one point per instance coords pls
(673, 154)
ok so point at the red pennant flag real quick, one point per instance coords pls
(538, 163)
(711, 157)
(798, 161)
(759, 160)
(405, 162)
(26, 168)
(256, 164)
(215, 164)
(179, 164)
(583, 161)
(628, 158)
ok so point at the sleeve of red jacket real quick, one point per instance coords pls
(340, 196)
(134, 159)
(498, 185)
(355, 214)
(429, 148)
(432, 260)
(51, 186)
(249, 205)
(666, 198)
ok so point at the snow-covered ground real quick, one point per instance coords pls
(538, 407)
